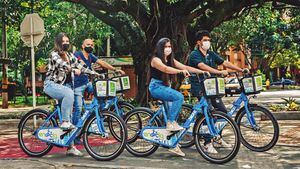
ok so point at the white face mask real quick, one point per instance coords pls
(167, 51)
(206, 45)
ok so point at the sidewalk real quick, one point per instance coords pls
(16, 113)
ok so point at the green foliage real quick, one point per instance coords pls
(272, 34)
(41, 62)
(58, 16)
(277, 107)
(291, 104)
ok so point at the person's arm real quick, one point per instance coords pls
(76, 64)
(106, 65)
(232, 66)
(205, 67)
(158, 64)
(185, 67)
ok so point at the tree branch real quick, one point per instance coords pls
(134, 8)
(290, 2)
(186, 6)
(123, 26)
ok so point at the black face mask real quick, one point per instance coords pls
(65, 47)
(88, 49)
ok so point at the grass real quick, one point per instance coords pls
(21, 102)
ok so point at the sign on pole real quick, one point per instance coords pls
(32, 32)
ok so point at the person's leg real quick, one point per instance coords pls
(165, 93)
(62, 93)
(78, 95)
(90, 88)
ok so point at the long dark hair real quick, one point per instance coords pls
(159, 52)
(58, 45)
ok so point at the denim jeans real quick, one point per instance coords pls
(79, 91)
(165, 93)
(62, 93)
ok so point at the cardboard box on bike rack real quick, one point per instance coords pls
(105, 88)
(123, 83)
(214, 87)
(252, 84)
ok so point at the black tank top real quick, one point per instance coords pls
(157, 74)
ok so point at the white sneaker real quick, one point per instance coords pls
(67, 125)
(177, 151)
(209, 148)
(221, 143)
(173, 126)
(74, 152)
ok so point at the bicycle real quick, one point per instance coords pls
(146, 132)
(251, 118)
(44, 131)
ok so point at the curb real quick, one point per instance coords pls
(13, 115)
(17, 114)
(287, 115)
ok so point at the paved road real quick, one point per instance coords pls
(286, 154)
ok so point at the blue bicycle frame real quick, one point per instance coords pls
(201, 106)
(236, 106)
(106, 104)
(89, 110)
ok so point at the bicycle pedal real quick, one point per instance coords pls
(104, 135)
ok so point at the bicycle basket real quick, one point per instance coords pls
(105, 88)
(253, 84)
(214, 87)
(123, 83)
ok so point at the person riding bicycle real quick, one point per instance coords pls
(163, 69)
(81, 82)
(203, 58)
(58, 83)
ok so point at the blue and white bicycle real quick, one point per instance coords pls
(147, 130)
(258, 127)
(104, 132)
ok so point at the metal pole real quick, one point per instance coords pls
(32, 65)
(4, 56)
(32, 5)
(108, 47)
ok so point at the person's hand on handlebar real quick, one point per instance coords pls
(206, 74)
(120, 71)
(185, 73)
(246, 71)
(223, 72)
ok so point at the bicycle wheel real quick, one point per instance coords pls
(126, 107)
(227, 143)
(27, 127)
(261, 137)
(104, 146)
(188, 139)
(135, 121)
